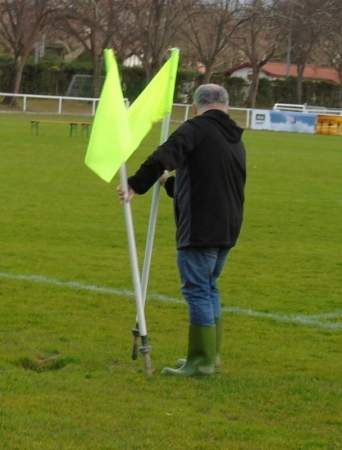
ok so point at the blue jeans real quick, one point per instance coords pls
(199, 270)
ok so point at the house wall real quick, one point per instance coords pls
(246, 72)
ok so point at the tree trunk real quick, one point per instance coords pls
(340, 93)
(300, 70)
(207, 74)
(156, 65)
(148, 71)
(97, 69)
(15, 81)
(253, 90)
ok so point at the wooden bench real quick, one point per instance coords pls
(73, 126)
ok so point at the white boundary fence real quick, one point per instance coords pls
(87, 106)
(90, 104)
(59, 100)
(308, 109)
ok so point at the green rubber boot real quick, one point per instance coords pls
(201, 353)
(219, 331)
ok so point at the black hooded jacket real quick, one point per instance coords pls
(208, 190)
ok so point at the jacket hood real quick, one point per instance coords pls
(232, 131)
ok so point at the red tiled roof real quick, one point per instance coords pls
(235, 68)
(278, 70)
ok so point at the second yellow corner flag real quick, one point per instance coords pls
(154, 103)
(116, 132)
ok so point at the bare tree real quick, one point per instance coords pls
(207, 28)
(124, 40)
(21, 24)
(92, 22)
(308, 20)
(258, 37)
(67, 47)
(332, 40)
(155, 24)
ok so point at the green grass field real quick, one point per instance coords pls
(67, 381)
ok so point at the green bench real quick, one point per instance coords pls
(74, 126)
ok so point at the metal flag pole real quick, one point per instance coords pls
(149, 242)
(145, 348)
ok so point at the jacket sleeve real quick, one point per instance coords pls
(168, 156)
(170, 186)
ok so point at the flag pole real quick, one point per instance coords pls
(149, 242)
(167, 108)
(145, 348)
(153, 217)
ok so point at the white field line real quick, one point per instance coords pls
(309, 320)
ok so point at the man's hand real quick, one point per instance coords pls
(163, 178)
(124, 197)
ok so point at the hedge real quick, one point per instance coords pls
(53, 78)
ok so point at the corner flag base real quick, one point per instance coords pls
(146, 350)
(136, 336)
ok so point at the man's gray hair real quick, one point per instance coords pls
(206, 94)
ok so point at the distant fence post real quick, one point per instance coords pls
(248, 121)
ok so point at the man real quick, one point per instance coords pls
(208, 192)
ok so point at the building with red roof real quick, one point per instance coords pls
(274, 70)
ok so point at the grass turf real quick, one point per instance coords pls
(66, 377)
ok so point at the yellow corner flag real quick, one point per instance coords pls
(154, 103)
(110, 134)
